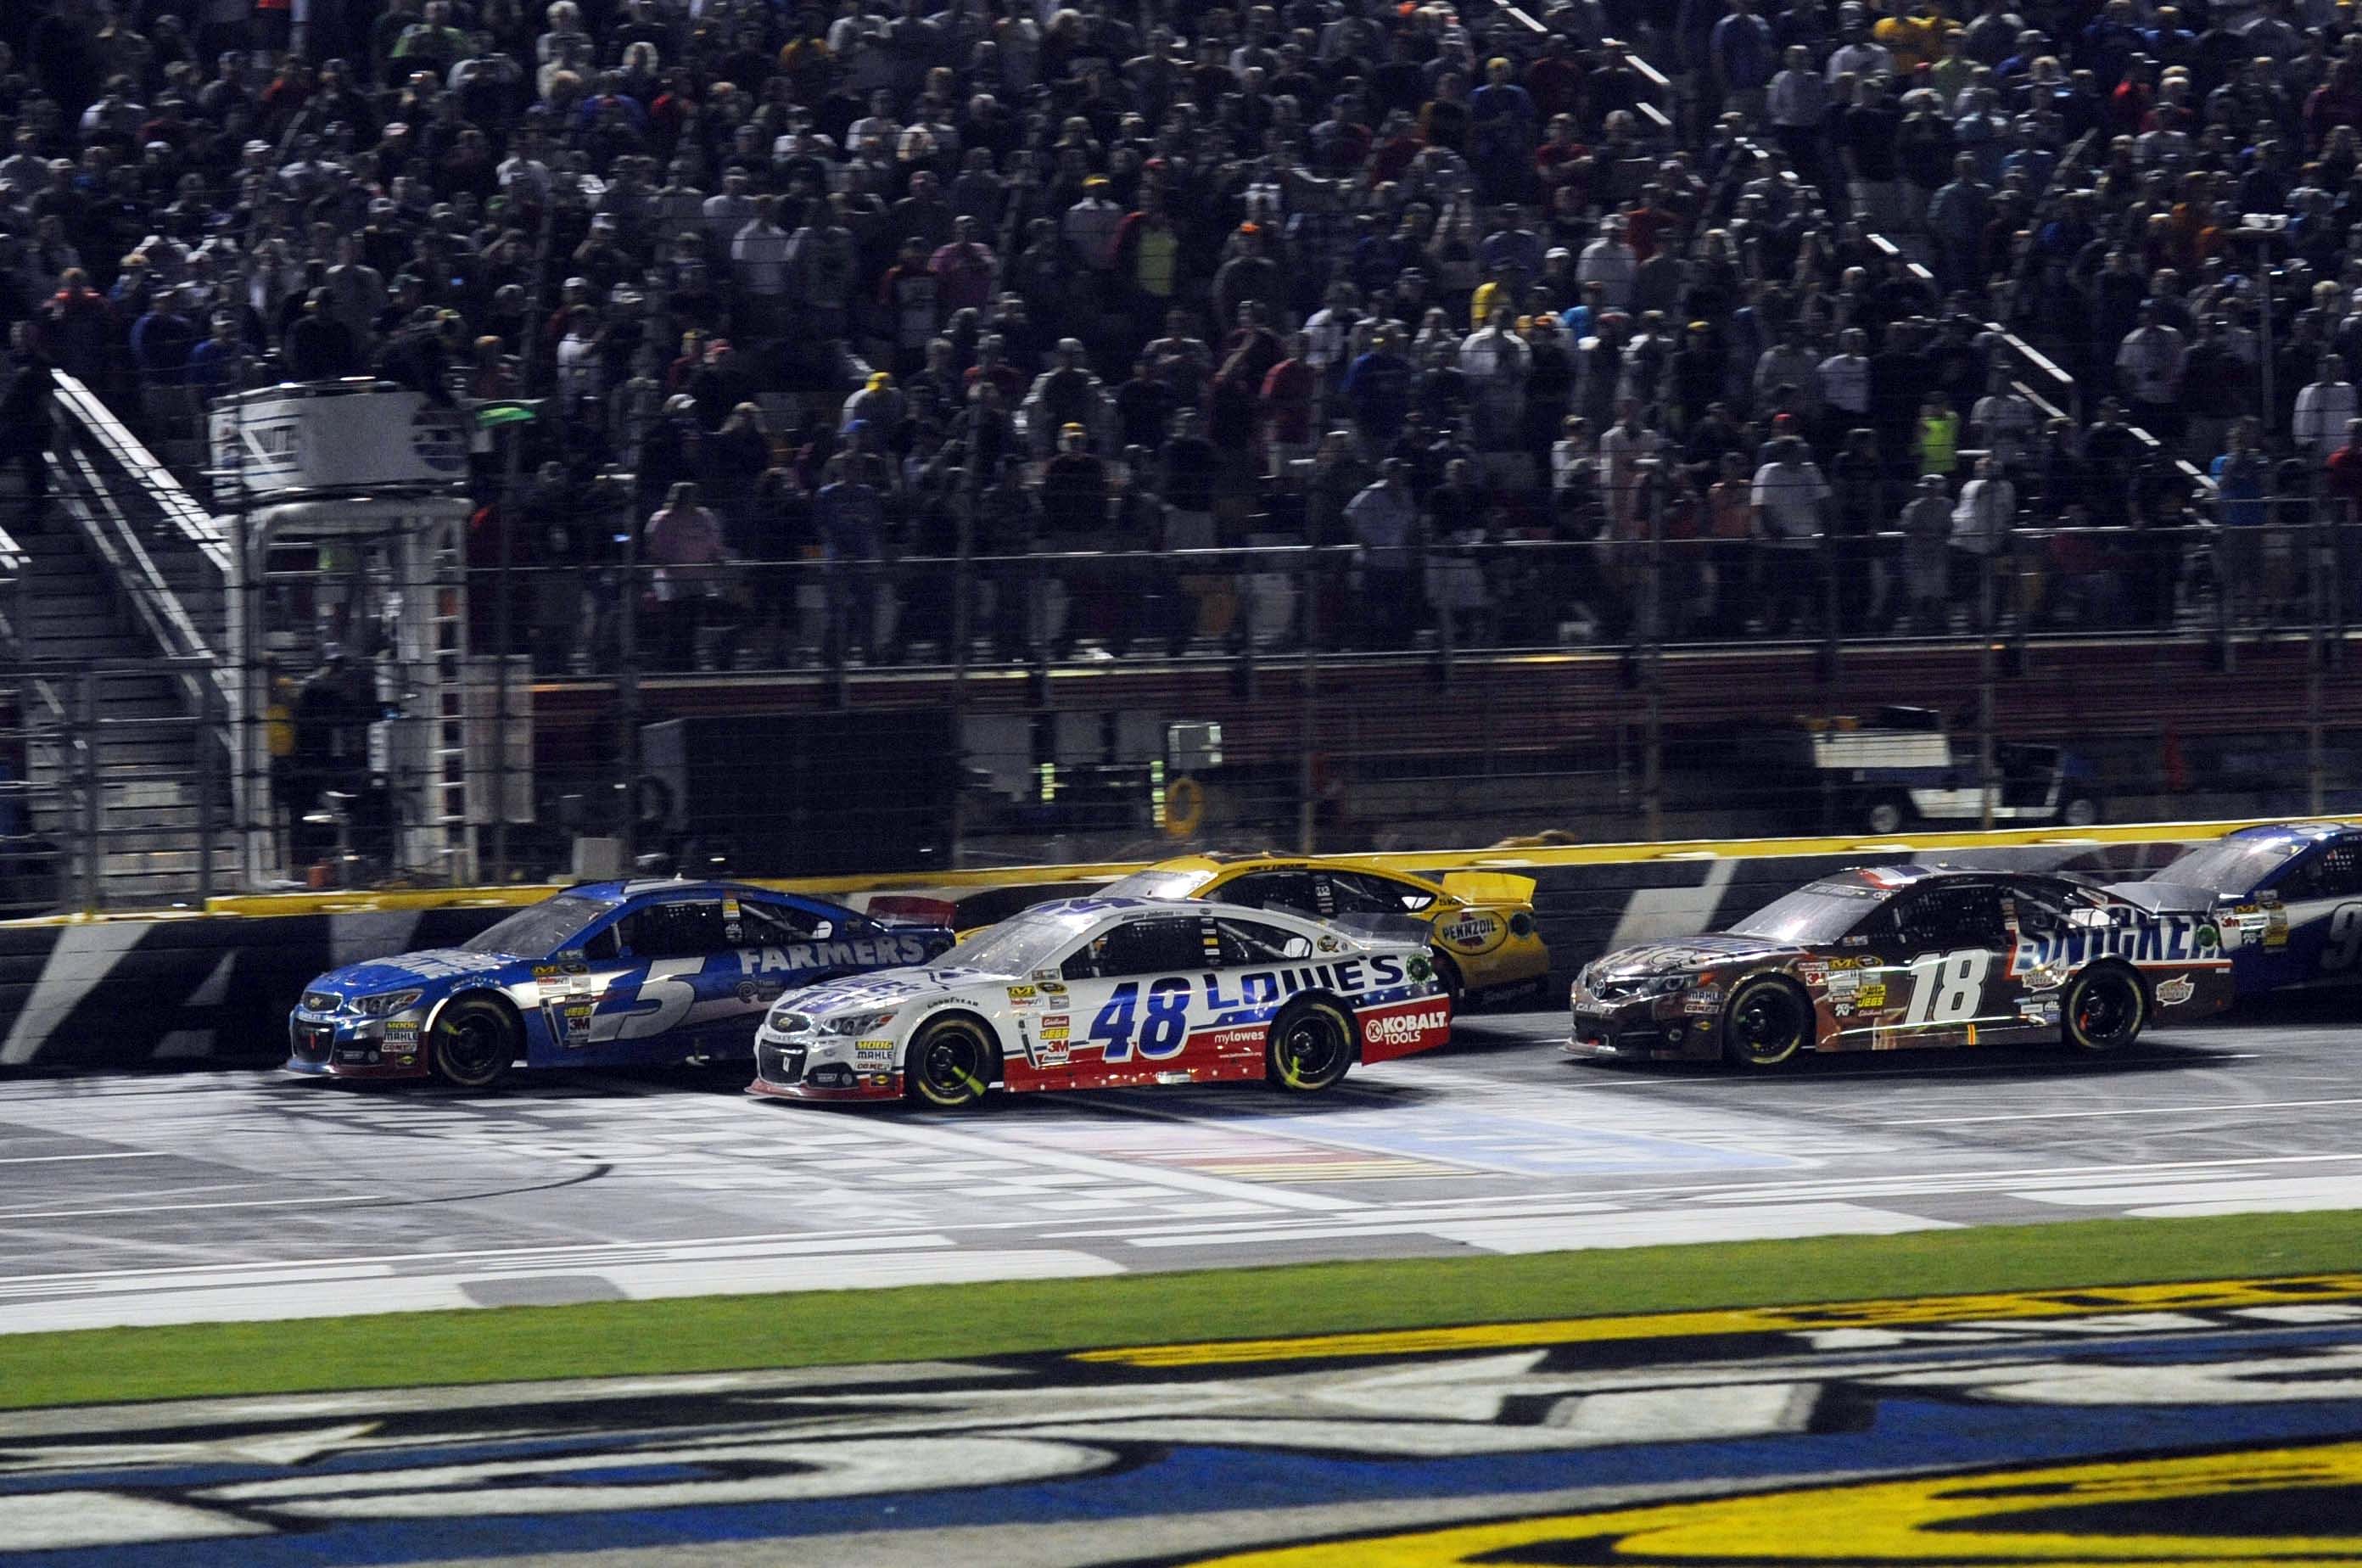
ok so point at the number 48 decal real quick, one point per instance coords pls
(1163, 1030)
(1945, 986)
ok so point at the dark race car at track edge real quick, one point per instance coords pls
(1891, 957)
(2288, 898)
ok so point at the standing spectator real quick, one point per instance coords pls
(1378, 391)
(1742, 57)
(2243, 479)
(1982, 520)
(2149, 363)
(1383, 520)
(1789, 493)
(849, 513)
(1495, 362)
(2323, 407)
(1935, 442)
(686, 549)
(1609, 262)
(1926, 525)
(1289, 397)
(759, 271)
(25, 420)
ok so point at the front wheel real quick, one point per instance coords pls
(474, 1042)
(950, 1063)
(1768, 1021)
(1311, 1046)
(2103, 1009)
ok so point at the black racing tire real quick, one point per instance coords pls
(2104, 1009)
(473, 1043)
(1767, 1021)
(1311, 1047)
(950, 1061)
(1887, 813)
(1455, 989)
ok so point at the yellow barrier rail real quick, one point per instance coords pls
(1513, 855)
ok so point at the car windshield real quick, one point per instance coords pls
(1155, 884)
(1017, 946)
(2230, 865)
(1822, 913)
(539, 930)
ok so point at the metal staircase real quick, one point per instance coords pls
(116, 655)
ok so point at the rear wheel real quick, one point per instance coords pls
(1311, 1046)
(1455, 990)
(1767, 1022)
(474, 1042)
(2081, 811)
(2103, 1009)
(951, 1064)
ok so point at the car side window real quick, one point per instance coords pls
(768, 926)
(602, 943)
(1357, 894)
(1161, 947)
(1246, 943)
(1952, 917)
(2335, 873)
(1272, 890)
(685, 928)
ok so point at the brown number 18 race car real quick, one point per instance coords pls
(1891, 957)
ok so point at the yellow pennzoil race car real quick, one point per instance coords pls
(1483, 934)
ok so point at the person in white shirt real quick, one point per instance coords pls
(1609, 262)
(1496, 361)
(1788, 493)
(1845, 385)
(2323, 408)
(731, 211)
(2003, 422)
(1623, 449)
(1982, 521)
(758, 266)
(1383, 519)
(1859, 55)
(2148, 366)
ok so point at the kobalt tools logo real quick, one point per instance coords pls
(1405, 1028)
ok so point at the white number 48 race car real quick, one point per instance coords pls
(1104, 993)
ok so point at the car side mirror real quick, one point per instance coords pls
(823, 931)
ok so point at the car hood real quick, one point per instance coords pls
(408, 970)
(887, 988)
(1690, 953)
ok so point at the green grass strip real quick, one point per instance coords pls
(820, 1328)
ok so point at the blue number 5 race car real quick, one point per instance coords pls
(2288, 898)
(610, 974)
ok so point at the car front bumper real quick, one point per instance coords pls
(334, 1046)
(784, 1070)
(1647, 1029)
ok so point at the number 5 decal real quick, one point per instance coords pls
(1945, 986)
(2344, 943)
(668, 988)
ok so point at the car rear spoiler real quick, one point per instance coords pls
(1407, 929)
(1489, 886)
(907, 908)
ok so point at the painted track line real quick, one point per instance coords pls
(2132, 1110)
(61, 1159)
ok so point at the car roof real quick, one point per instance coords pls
(623, 892)
(2294, 833)
(1885, 881)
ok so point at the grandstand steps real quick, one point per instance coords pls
(90, 659)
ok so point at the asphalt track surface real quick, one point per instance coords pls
(2160, 1425)
(210, 1195)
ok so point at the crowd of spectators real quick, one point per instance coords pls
(902, 279)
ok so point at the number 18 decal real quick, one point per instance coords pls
(1945, 986)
